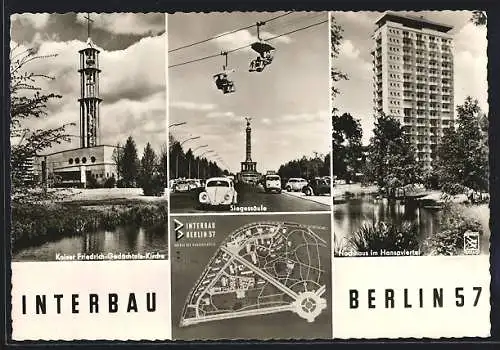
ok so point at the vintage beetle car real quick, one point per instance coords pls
(219, 191)
(295, 184)
(317, 187)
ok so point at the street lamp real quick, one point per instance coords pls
(177, 124)
(177, 157)
(197, 148)
(199, 159)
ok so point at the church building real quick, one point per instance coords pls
(75, 167)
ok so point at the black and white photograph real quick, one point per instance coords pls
(410, 146)
(251, 276)
(249, 121)
(88, 125)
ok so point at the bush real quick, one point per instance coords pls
(154, 186)
(450, 238)
(110, 182)
(382, 236)
(341, 247)
(120, 183)
(92, 182)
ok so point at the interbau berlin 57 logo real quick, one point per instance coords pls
(471, 243)
(177, 229)
(194, 230)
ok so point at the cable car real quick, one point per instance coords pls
(222, 81)
(264, 50)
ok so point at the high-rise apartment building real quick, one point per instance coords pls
(413, 78)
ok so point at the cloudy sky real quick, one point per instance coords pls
(288, 101)
(470, 61)
(132, 81)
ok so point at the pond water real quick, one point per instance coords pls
(351, 215)
(123, 239)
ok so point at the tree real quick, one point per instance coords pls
(463, 153)
(149, 162)
(391, 157)
(347, 134)
(306, 167)
(117, 158)
(335, 42)
(28, 102)
(152, 182)
(163, 163)
(479, 18)
(130, 162)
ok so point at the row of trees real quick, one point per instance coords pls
(185, 164)
(149, 172)
(459, 161)
(306, 167)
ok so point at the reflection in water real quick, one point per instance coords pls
(124, 239)
(356, 212)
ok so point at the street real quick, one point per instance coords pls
(249, 198)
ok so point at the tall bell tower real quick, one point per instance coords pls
(89, 96)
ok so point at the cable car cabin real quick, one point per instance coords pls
(264, 50)
(223, 83)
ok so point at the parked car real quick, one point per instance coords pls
(181, 186)
(317, 187)
(295, 184)
(193, 184)
(219, 191)
(272, 183)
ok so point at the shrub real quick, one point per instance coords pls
(450, 238)
(153, 186)
(121, 183)
(382, 236)
(92, 182)
(341, 247)
(110, 182)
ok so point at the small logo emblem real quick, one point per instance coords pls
(471, 243)
(177, 229)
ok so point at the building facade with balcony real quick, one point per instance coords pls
(413, 79)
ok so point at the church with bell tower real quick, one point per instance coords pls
(91, 161)
(89, 95)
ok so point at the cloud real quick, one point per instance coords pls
(37, 20)
(470, 71)
(244, 37)
(127, 23)
(220, 115)
(319, 116)
(347, 49)
(192, 106)
(266, 121)
(132, 84)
